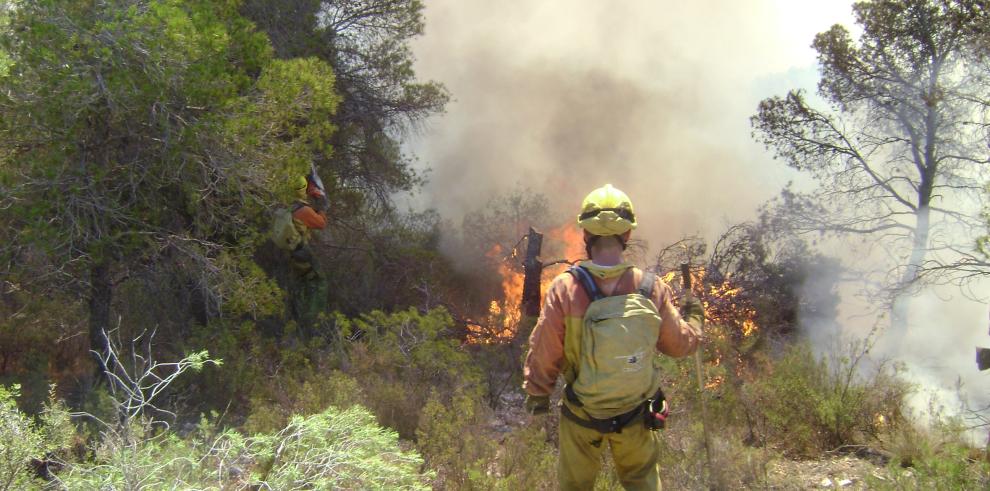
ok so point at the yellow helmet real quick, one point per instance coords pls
(607, 211)
(300, 183)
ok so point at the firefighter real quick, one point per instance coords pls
(309, 210)
(603, 326)
(308, 214)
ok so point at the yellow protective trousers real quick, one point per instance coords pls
(635, 451)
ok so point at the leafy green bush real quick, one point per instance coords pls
(23, 439)
(526, 460)
(684, 460)
(307, 393)
(805, 406)
(265, 376)
(936, 457)
(330, 450)
(143, 459)
(456, 440)
(451, 442)
(249, 358)
(400, 358)
(388, 362)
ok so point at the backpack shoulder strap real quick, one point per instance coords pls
(646, 285)
(587, 282)
(296, 205)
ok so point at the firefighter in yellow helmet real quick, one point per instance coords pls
(612, 397)
(309, 289)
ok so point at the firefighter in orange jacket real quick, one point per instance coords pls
(555, 348)
(308, 213)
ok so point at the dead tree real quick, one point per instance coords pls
(529, 304)
(532, 274)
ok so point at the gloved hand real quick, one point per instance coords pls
(537, 405)
(693, 311)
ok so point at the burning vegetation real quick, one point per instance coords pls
(505, 314)
(732, 328)
(725, 302)
(751, 293)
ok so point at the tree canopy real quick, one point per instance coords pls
(899, 155)
(146, 142)
(366, 43)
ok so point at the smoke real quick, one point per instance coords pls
(565, 96)
(937, 353)
(654, 97)
(944, 328)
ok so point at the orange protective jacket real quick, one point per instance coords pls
(565, 305)
(307, 216)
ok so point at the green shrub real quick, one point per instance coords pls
(20, 442)
(457, 440)
(266, 379)
(143, 459)
(805, 405)
(335, 450)
(250, 358)
(307, 393)
(23, 439)
(387, 362)
(936, 457)
(400, 358)
(527, 460)
(684, 459)
(451, 439)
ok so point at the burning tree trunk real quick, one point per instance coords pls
(533, 271)
(532, 276)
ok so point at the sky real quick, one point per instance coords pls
(654, 97)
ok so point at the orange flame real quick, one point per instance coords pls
(722, 302)
(730, 317)
(572, 238)
(504, 314)
(724, 306)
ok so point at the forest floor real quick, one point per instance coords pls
(840, 472)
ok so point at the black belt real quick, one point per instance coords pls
(610, 425)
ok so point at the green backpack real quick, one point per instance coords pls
(617, 366)
(284, 233)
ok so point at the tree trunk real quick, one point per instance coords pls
(533, 272)
(900, 308)
(531, 294)
(101, 293)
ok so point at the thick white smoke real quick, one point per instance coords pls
(654, 97)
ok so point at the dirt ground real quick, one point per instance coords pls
(845, 472)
